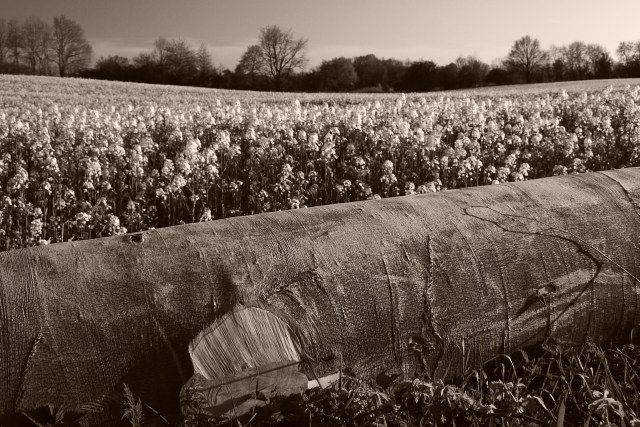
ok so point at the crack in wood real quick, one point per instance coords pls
(576, 241)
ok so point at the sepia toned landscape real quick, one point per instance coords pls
(287, 217)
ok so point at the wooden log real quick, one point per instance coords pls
(429, 284)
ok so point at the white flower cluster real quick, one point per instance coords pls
(84, 159)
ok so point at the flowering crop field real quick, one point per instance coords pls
(81, 159)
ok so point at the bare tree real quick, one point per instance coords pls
(161, 46)
(555, 53)
(207, 72)
(175, 61)
(576, 59)
(71, 49)
(14, 43)
(252, 64)
(203, 60)
(37, 43)
(599, 61)
(282, 52)
(4, 47)
(556, 62)
(180, 63)
(526, 57)
(626, 52)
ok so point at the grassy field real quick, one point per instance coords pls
(93, 92)
(537, 88)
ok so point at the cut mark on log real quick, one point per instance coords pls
(246, 338)
(25, 368)
(429, 340)
(242, 361)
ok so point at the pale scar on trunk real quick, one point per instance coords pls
(241, 361)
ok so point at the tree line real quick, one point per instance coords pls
(38, 47)
(278, 62)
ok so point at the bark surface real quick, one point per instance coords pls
(420, 284)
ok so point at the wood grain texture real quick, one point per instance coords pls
(396, 284)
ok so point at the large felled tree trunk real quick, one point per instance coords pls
(404, 284)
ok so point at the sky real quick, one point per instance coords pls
(437, 30)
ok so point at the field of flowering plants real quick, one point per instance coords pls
(81, 159)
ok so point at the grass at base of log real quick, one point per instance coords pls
(556, 384)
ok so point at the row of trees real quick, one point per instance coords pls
(526, 62)
(37, 47)
(577, 61)
(276, 58)
(277, 61)
(170, 62)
